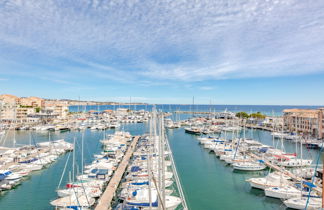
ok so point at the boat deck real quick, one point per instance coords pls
(19, 152)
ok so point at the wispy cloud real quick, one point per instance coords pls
(206, 88)
(158, 41)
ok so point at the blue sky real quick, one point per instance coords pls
(223, 52)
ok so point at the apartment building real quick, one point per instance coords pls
(9, 99)
(7, 111)
(26, 109)
(308, 122)
(23, 113)
(321, 123)
(58, 108)
(32, 102)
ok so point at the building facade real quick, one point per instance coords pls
(321, 123)
(7, 111)
(27, 109)
(307, 122)
(32, 102)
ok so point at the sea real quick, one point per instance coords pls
(207, 182)
(270, 110)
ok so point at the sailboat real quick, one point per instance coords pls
(249, 166)
(75, 196)
(139, 198)
(302, 202)
(282, 192)
(274, 179)
(74, 201)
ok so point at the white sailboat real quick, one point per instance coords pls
(302, 202)
(274, 179)
(282, 192)
(139, 198)
(249, 166)
(74, 201)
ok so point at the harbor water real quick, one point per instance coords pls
(270, 110)
(207, 182)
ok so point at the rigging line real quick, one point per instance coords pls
(313, 179)
(67, 160)
(82, 174)
(158, 191)
(7, 134)
(76, 196)
(38, 155)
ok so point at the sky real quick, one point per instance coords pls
(164, 51)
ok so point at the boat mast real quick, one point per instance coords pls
(30, 138)
(149, 163)
(163, 163)
(82, 142)
(301, 151)
(14, 128)
(296, 133)
(160, 155)
(73, 164)
(274, 125)
(193, 106)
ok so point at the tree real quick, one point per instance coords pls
(257, 115)
(242, 115)
(37, 109)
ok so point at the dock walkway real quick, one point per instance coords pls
(104, 202)
(259, 127)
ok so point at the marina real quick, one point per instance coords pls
(161, 105)
(182, 144)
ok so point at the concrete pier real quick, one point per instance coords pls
(259, 127)
(104, 202)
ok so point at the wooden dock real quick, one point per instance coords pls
(104, 202)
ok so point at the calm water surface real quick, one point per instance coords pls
(207, 182)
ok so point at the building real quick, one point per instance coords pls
(57, 108)
(23, 114)
(32, 102)
(9, 99)
(29, 109)
(321, 123)
(307, 122)
(7, 111)
(272, 122)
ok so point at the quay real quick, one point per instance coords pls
(251, 126)
(104, 202)
(191, 112)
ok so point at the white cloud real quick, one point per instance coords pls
(154, 41)
(206, 88)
